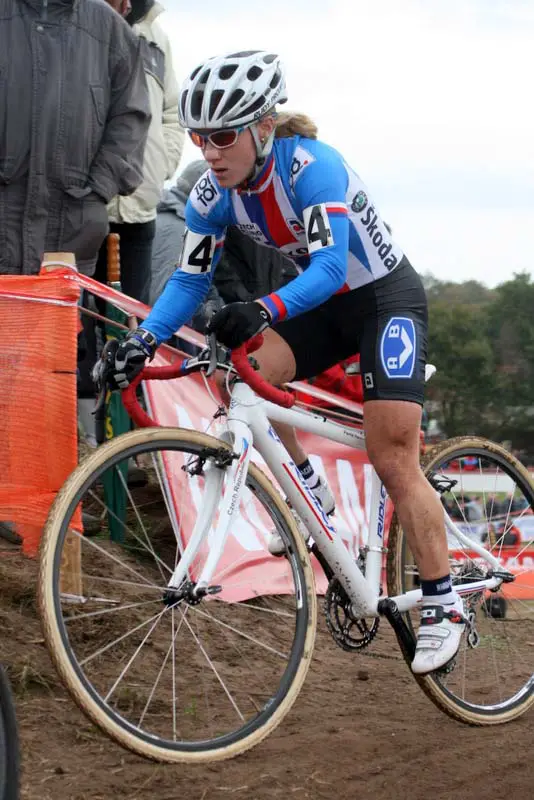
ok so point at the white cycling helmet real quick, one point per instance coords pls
(232, 90)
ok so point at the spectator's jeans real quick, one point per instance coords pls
(136, 257)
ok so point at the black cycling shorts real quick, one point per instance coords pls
(385, 321)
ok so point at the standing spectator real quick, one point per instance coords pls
(73, 125)
(133, 218)
(170, 227)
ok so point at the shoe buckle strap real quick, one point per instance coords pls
(434, 615)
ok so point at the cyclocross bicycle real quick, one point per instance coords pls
(9, 747)
(179, 654)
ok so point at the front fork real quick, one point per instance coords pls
(228, 507)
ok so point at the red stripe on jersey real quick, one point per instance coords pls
(279, 305)
(276, 224)
(258, 187)
(336, 209)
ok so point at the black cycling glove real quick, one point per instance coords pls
(122, 362)
(235, 323)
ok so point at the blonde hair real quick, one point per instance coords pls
(291, 123)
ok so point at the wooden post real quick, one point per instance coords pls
(54, 260)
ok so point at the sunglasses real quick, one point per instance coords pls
(219, 139)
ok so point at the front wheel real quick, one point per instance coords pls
(489, 496)
(9, 747)
(174, 677)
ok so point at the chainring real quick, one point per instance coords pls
(348, 632)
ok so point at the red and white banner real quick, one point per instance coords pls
(187, 403)
(247, 566)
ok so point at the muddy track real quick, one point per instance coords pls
(361, 728)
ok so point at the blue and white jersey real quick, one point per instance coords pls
(310, 205)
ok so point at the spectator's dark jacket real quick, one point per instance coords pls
(74, 116)
(248, 270)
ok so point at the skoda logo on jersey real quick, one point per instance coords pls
(398, 348)
(359, 202)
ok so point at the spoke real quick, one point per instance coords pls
(132, 533)
(523, 603)
(494, 659)
(109, 555)
(240, 633)
(117, 582)
(229, 567)
(214, 669)
(141, 523)
(110, 610)
(174, 727)
(160, 673)
(158, 462)
(134, 656)
(255, 608)
(464, 671)
(121, 638)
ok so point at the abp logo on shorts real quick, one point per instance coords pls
(398, 348)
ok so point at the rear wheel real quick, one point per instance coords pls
(184, 678)
(490, 497)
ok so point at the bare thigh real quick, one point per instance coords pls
(275, 360)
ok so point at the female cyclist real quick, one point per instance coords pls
(357, 292)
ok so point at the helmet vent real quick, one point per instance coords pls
(215, 99)
(254, 73)
(183, 101)
(253, 106)
(231, 91)
(202, 81)
(233, 100)
(244, 54)
(196, 104)
(227, 71)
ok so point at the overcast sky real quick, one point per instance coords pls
(430, 101)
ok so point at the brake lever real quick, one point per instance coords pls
(99, 413)
(211, 341)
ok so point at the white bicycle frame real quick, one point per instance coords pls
(249, 424)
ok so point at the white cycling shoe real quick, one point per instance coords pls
(439, 636)
(323, 494)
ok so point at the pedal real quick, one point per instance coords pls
(447, 668)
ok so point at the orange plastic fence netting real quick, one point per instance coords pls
(38, 428)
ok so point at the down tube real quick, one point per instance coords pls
(325, 536)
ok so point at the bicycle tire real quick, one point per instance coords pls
(9, 743)
(434, 684)
(126, 446)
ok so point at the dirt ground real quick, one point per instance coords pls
(361, 728)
